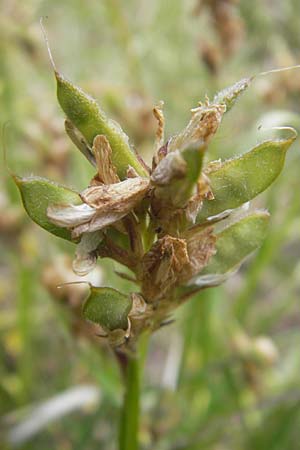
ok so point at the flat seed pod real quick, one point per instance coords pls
(236, 181)
(236, 242)
(38, 193)
(229, 95)
(108, 308)
(85, 114)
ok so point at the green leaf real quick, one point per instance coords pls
(229, 95)
(236, 181)
(108, 308)
(85, 114)
(38, 193)
(236, 242)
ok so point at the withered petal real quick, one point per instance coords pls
(122, 196)
(202, 126)
(200, 248)
(172, 167)
(98, 222)
(85, 255)
(162, 266)
(69, 216)
(107, 172)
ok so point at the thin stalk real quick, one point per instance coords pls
(129, 424)
(132, 370)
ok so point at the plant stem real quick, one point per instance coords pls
(129, 424)
(132, 370)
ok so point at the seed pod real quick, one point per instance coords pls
(234, 244)
(237, 241)
(108, 308)
(38, 193)
(236, 181)
(229, 95)
(85, 114)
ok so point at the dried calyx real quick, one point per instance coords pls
(177, 227)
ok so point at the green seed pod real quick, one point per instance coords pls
(238, 180)
(229, 95)
(85, 114)
(237, 241)
(108, 308)
(38, 193)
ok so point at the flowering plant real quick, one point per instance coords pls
(180, 226)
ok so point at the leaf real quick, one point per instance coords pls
(37, 194)
(85, 115)
(229, 95)
(236, 181)
(108, 308)
(236, 242)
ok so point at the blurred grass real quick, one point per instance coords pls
(130, 55)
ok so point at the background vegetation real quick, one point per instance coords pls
(225, 375)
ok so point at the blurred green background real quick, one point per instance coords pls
(225, 375)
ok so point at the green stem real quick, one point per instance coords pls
(128, 438)
(132, 369)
